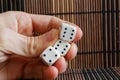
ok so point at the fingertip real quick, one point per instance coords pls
(72, 52)
(61, 65)
(51, 73)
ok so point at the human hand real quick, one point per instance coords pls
(20, 50)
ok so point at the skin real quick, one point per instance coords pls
(20, 50)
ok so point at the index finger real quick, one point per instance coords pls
(44, 23)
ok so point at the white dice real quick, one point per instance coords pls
(68, 32)
(62, 47)
(50, 55)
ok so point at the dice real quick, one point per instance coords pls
(62, 47)
(50, 56)
(68, 32)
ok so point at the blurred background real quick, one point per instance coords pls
(99, 47)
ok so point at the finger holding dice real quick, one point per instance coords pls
(72, 52)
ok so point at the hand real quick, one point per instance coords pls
(20, 50)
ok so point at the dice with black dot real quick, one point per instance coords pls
(50, 56)
(62, 47)
(68, 32)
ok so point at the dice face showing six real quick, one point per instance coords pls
(68, 32)
(62, 47)
(50, 56)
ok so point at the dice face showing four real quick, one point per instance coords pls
(68, 32)
(50, 56)
(61, 47)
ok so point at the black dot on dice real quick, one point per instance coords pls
(63, 35)
(56, 48)
(55, 55)
(62, 52)
(50, 49)
(60, 41)
(66, 45)
(73, 30)
(65, 28)
(71, 34)
(44, 55)
(64, 49)
(50, 60)
(70, 37)
(64, 32)
(58, 45)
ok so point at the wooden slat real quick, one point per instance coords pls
(90, 74)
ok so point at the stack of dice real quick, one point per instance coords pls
(51, 54)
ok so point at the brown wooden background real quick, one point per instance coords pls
(99, 20)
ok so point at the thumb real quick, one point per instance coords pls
(14, 43)
(35, 45)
